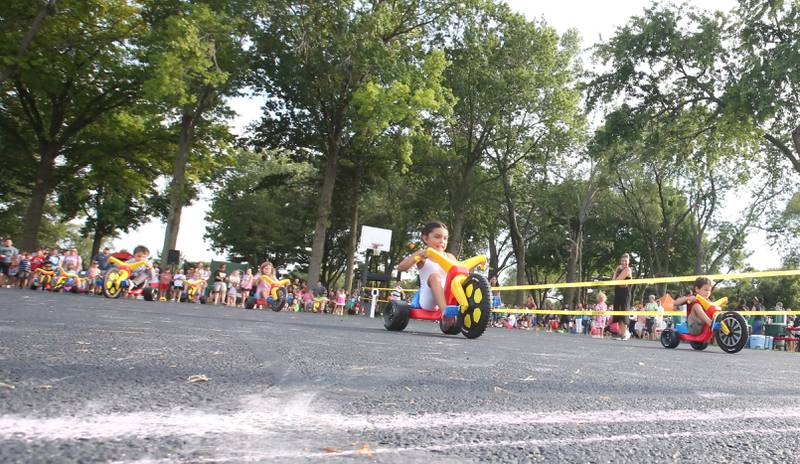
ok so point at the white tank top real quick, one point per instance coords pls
(426, 299)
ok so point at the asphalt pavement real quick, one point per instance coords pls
(86, 379)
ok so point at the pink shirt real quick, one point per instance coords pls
(340, 297)
(600, 307)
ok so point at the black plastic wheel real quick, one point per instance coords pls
(111, 283)
(250, 302)
(475, 317)
(670, 338)
(150, 294)
(395, 316)
(450, 325)
(699, 346)
(280, 302)
(182, 297)
(737, 337)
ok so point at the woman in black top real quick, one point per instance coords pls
(622, 296)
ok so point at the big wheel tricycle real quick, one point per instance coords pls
(729, 329)
(468, 295)
(278, 297)
(117, 281)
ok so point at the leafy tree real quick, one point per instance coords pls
(539, 120)
(16, 18)
(195, 60)
(79, 65)
(262, 208)
(119, 160)
(325, 65)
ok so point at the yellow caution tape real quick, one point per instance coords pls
(653, 280)
(571, 312)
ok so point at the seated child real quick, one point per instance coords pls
(263, 288)
(143, 273)
(165, 283)
(432, 276)
(696, 318)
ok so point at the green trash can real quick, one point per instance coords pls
(774, 330)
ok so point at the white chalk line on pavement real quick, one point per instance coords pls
(251, 456)
(263, 416)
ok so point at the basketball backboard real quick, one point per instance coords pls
(375, 238)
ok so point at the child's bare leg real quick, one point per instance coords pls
(437, 289)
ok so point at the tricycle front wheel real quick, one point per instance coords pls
(475, 317)
(736, 338)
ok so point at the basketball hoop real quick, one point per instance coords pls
(375, 247)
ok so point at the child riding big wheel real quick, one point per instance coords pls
(705, 320)
(449, 292)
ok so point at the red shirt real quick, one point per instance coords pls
(36, 262)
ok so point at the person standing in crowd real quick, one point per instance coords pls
(24, 272)
(234, 280)
(54, 258)
(531, 304)
(94, 284)
(218, 291)
(37, 260)
(102, 259)
(7, 254)
(653, 322)
(72, 260)
(341, 298)
(758, 321)
(246, 284)
(397, 293)
(622, 296)
(177, 284)
(201, 273)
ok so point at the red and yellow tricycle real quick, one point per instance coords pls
(468, 297)
(728, 328)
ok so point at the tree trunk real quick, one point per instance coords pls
(42, 186)
(98, 239)
(351, 249)
(458, 206)
(494, 257)
(517, 242)
(572, 267)
(323, 210)
(698, 251)
(177, 187)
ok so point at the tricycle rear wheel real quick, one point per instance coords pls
(450, 325)
(670, 339)
(395, 316)
(699, 346)
(278, 303)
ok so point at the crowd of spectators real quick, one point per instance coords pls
(223, 288)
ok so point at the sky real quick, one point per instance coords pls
(594, 21)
